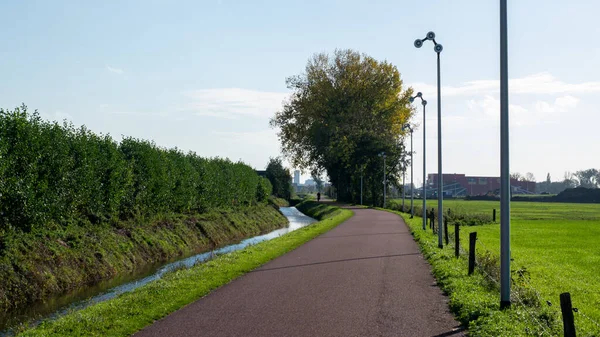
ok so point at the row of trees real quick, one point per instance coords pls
(345, 112)
(589, 178)
(58, 173)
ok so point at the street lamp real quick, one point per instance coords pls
(412, 193)
(438, 49)
(382, 154)
(424, 103)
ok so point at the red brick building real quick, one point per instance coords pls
(461, 185)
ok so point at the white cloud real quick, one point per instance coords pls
(262, 137)
(117, 71)
(542, 83)
(561, 104)
(233, 102)
(539, 112)
(123, 112)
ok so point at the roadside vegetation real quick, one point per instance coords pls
(554, 250)
(278, 202)
(132, 311)
(78, 207)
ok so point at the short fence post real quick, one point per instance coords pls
(567, 314)
(494, 215)
(433, 220)
(456, 239)
(446, 230)
(472, 240)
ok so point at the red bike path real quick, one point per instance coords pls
(366, 277)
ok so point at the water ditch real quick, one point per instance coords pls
(55, 307)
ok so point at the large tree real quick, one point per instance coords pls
(345, 109)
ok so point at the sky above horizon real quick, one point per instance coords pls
(206, 76)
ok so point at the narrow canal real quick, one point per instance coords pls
(84, 297)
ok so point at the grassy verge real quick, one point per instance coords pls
(279, 202)
(475, 299)
(317, 210)
(55, 259)
(554, 249)
(130, 312)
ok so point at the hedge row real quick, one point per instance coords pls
(58, 173)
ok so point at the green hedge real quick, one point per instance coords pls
(58, 173)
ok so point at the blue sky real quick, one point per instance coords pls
(207, 75)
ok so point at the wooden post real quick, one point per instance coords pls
(446, 230)
(567, 314)
(433, 220)
(472, 240)
(494, 215)
(456, 239)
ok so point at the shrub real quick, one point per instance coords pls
(58, 173)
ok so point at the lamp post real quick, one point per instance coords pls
(412, 194)
(438, 49)
(504, 165)
(382, 154)
(424, 103)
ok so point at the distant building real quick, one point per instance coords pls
(261, 173)
(297, 177)
(309, 182)
(461, 185)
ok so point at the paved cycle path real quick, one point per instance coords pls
(365, 277)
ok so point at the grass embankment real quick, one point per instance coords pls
(130, 312)
(554, 250)
(52, 260)
(279, 202)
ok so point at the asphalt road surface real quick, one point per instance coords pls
(365, 277)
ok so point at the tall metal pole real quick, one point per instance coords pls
(403, 187)
(424, 181)
(504, 164)
(424, 103)
(412, 192)
(440, 178)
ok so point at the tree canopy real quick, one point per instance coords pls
(345, 109)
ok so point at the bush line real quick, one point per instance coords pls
(58, 173)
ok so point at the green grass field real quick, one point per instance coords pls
(557, 243)
(522, 210)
